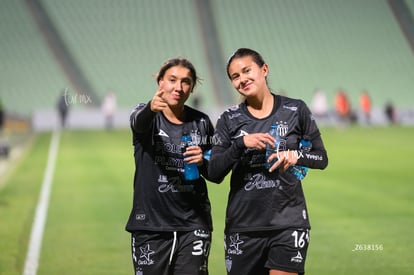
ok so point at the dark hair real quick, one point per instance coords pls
(178, 61)
(242, 52)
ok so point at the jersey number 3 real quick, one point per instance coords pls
(200, 248)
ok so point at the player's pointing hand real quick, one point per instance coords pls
(158, 103)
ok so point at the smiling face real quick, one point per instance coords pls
(247, 76)
(177, 85)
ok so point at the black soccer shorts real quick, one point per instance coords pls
(168, 253)
(255, 253)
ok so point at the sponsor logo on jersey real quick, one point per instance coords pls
(201, 233)
(234, 115)
(175, 185)
(196, 138)
(140, 217)
(313, 156)
(234, 247)
(241, 133)
(229, 263)
(292, 108)
(233, 108)
(297, 259)
(259, 181)
(162, 133)
(312, 117)
(145, 257)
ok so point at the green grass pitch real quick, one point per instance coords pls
(361, 207)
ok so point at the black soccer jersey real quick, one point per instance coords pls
(163, 200)
(259, 200)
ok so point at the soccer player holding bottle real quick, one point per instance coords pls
(170, 221)
(267, 222)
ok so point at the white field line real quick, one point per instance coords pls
(35, 244)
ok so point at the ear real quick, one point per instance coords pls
(265, 69)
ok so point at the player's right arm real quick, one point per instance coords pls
(142, 116)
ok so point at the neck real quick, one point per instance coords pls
(175, 115)
(261, 106)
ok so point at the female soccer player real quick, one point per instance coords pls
(267, 223)
(170, 221)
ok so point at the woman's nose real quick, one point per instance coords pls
(243, 78)
(178, 86)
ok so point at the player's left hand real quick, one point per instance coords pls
(285, 160)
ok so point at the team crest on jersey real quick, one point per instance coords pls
(283, 128)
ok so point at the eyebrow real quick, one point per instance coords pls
(185, 78)
(242, 69)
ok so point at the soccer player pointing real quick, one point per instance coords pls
(170, 221)
(267, 223)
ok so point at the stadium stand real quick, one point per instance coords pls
(119, 45)
(323, 44)
(29, 77)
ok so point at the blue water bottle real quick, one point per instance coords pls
(300, 172)
(190, 169)
(269, 149)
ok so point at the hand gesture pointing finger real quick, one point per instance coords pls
(158, 103)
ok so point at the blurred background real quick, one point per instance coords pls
(82, 51)
(85, 64)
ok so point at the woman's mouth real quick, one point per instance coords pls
(245, 86)
(176, 96)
